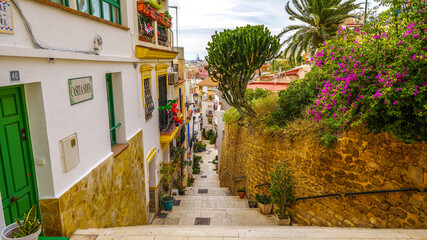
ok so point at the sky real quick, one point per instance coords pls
(199, 19)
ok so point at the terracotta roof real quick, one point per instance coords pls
(293, 72)
(270, 86)
(207, 82)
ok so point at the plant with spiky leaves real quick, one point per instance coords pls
(233, 58)
(29, 225)
(320, 18)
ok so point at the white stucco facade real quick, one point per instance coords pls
(67, 39)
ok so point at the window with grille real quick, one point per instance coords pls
(149, 104)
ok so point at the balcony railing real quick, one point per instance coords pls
(166, 122)
(209, 112)
(145, 29)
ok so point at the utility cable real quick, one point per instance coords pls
(38, 44)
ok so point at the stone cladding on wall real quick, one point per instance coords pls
(111, 195)
(357, 163)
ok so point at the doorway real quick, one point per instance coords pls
(18, 186)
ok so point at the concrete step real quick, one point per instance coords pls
(203, 201)
(217, 217)
(202, 184)
(212, 191)
(151, 232)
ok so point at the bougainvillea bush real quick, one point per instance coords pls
(377, 74)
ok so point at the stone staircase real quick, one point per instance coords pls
(214, 215)
(166, 232)
(206, 203)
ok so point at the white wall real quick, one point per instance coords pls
(40, 143)
(220, 132)
(51, 115)
(89, 119)
(64, 30)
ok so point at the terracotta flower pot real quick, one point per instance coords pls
(241, 194)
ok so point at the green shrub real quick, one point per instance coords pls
(328, 140)
(198, 146)
(251, 95)
(204, 133)
(298, 96)
(232, 116)
(212, 139)
(281, 189)
(210, 133)
(264, 199)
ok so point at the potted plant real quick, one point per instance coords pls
(241, 192)
(168, 202)
(281, 192)
(179, 184)
(167, 170)
(27, 229)
(252, 204)
(265, 205)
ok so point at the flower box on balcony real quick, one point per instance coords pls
(147, 10)
(168, 22)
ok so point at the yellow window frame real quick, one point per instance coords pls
(162, 69)
(145, 70)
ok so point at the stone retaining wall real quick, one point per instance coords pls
(111, 195)
(357, 163)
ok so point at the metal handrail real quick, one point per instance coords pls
(361, 193)
(320, 196)
(384, 191)
(223, 175)
(264, 184)
(239, 178)
(116, 126)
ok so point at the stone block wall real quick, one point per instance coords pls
(111, 195)
(358, 163)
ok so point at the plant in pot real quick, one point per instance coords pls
(252, 204)
(167, 171)
(179, 184)
(265, 205)
(27, 229)
(281, 192)
(241, 192)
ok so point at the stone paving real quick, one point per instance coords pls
(230, 218)
(216, 205)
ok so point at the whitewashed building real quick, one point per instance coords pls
(80, 131)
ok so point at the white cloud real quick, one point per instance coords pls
(199, 19)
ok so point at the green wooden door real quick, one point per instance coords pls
(17, 182)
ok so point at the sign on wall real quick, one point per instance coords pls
(80, 89)
(6, 24)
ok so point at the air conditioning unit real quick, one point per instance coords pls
(173, 78)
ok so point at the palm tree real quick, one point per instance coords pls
(321, 19)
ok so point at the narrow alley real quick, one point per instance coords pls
(206, 203)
